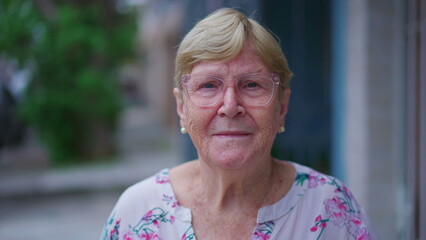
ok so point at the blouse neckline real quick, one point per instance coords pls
(267, 213)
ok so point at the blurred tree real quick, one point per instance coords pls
(74, 49)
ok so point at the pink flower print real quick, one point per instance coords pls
(319, 223)
(337, 210)
(153, 219)
(171, 200)
(318, 219)
(127, 236)
(113, 234)
(189, 234)
(263, 231)
(348, 192)
(148, 215)
(172, 219)
(162, 178)
(259, 235)
(315, 180)
(363, 235)
(354, 224)
(149, 236)
(345, 190)
(155, 222)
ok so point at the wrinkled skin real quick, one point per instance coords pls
(231, 135)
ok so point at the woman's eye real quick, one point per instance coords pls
(252, 85)
(208, 85)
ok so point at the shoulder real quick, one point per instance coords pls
(329, 205)
(143, 195)
(142, 209)
(310, 179)
(320, 189)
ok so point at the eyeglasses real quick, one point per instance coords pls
(252, 89)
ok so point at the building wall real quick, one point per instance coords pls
(374, 90)
(159, 27)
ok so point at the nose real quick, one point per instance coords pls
(231, 105)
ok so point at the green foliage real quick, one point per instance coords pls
(74, 53)
(18, 26)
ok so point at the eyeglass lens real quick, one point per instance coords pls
(253, 90)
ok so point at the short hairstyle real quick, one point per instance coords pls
(221, 37)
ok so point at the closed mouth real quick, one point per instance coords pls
(232, 134)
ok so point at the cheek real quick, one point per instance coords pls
(268, 124)
(269, 117)
(197, 122)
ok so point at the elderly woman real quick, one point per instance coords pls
(232, 98)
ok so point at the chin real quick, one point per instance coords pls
(231, 160)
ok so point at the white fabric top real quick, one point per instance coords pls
(316, 207)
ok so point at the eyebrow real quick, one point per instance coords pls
(220, 75)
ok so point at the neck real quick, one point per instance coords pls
(243, 188)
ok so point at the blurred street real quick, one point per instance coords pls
(57, 217)
(72, 203)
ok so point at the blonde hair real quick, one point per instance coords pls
(221, 37)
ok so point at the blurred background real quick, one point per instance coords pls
(86, 104)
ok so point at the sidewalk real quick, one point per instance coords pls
(73, 203)
(70, 204)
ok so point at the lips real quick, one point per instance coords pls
(232, 134)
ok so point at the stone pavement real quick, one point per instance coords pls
(71, 204)
(70, 217)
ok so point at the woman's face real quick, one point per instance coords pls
(230, 134)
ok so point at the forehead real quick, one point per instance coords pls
(245, 62)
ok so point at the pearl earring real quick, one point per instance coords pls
(183, 130)
(282, 129)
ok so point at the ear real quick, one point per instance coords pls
(180, 106)
(284, 101)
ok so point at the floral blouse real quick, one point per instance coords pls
(317, 206)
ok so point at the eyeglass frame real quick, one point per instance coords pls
(275, 79)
